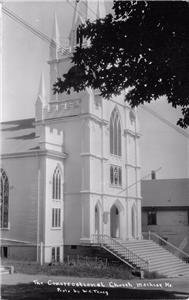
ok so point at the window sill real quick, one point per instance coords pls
(116, 156)
(56, 228)
(115, 186)
(57, 200)
(5, 228)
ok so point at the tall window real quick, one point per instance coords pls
(55, 254)
(4, 199)
(57, 182)
(115, 133)
(152, 217)
(56, 217)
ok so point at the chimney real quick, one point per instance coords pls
(153, 175)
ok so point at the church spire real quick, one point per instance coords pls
(101, 10)
(55, 40)
(41, 91)
(41, 100)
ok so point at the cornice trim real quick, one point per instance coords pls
(132, 166)
(38, 153)
(110, 195)
(93, 155)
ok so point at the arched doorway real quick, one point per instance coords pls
(114, 222)
(97, 220)
(133, 221)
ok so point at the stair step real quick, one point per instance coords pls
(168, 269)
(155, 254)
(147, 249)
(172, 263)
(157, 259)
(154, 249)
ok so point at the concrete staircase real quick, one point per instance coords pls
(144, 255)
(159, 259)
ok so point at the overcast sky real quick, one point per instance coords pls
(25, 56)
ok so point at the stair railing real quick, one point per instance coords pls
(117, 248)
(167, 245)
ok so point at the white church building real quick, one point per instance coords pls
(72, 173)
(70, 177)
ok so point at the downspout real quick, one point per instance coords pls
(102, 168)
(38, 206)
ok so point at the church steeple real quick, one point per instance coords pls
(101, 11)
(55, 40)
(85, 9)
(41, 99)
(41, 91)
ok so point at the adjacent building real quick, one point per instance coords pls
(165, 210)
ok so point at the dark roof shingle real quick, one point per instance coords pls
(165, 192)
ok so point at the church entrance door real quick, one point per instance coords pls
(97, 220)
(133, 216)
(114, 222)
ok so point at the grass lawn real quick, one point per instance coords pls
(98, 271)
(81, 269)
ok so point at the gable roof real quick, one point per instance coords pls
(165, 192)
(18, 136)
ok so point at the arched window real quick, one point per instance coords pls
(57, 183)
(4, 199)
(115, 133)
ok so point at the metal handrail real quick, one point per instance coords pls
(101, 239)
(166, 242)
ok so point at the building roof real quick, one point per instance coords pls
(165, 192)
(19, 136)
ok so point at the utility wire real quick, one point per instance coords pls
(165, 121)
(95, 14)
(138, 181)
(61, 49)
(75, 8)
(35, 31)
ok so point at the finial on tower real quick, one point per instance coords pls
(55, 40)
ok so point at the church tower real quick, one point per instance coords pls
(101, 171)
